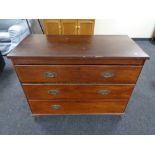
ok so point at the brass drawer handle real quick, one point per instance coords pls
(56, 106)
(53, 92)
(50, 74)
(107, 74)
(104, 92)
(76, 27)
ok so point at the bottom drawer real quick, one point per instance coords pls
(77, 107)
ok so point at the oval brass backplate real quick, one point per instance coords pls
(104, 92)
(56, 106)
(53, 92)
(107, 74)
(50, 74)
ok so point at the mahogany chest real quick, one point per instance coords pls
(78, 74)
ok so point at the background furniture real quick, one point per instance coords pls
(2, 62)
(12, 32)
(78, 74)
(153, 37)
(40, 25)
(69, 26)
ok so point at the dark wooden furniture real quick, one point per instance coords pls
(78, 74)
(2, 62)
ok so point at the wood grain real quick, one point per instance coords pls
(78, 62)
(69, 26)
(77, 107)
(76, 91)
(75, 61)
(86, 27)
(78, 46)
(52, 26)
(78, 73)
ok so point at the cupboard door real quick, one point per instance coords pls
(52, 26)
(69, 26)
(86, 27)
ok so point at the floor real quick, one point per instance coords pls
(15, 115)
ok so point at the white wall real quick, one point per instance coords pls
(134, 28)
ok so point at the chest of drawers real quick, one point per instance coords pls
(78, 74)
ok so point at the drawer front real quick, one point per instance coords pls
(77, 107)
(75, 91)
(78, 73)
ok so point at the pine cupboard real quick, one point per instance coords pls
(69, 26)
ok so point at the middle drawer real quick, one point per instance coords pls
(77, 91)
(78, 73)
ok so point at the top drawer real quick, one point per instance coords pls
(78, 73)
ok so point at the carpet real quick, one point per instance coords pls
(16, 119)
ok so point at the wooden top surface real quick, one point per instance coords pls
(97, 46)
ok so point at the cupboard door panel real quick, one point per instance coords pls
(52, 26)
(69, 27)
(85, 27)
